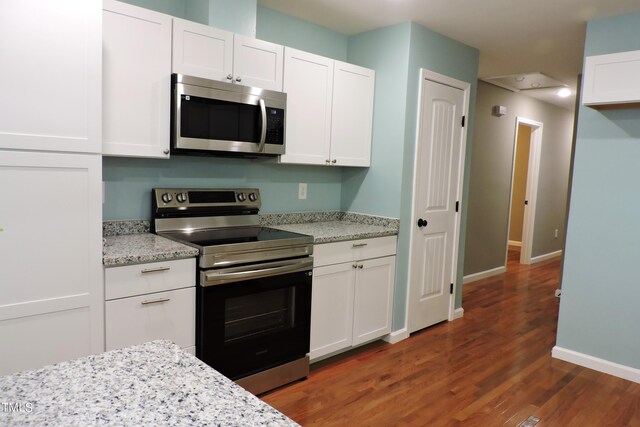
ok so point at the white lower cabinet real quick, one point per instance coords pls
(352, 297)
(151, 301)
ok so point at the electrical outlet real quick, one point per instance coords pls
(555, 234)
(302, 191)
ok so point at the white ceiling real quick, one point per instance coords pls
(513, 36)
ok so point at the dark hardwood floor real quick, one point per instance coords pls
(493, 367)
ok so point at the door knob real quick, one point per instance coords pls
(422, 222)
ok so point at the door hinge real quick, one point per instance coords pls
(463, 121)
(451, 289)
(457, 205)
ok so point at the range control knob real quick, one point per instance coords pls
(253, 197)
(181, 197)
(166, 197)
(241, 197)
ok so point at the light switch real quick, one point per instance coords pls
(302, 191)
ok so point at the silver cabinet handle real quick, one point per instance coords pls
(263, 133)
(359, 245)
(155, 301)
(165, 151)
(360, 266)
(155, 270)
(355, 266)
(238, 79)
(334, 161)
(229, 77)
(327, 161)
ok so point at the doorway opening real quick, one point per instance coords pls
(524, 189)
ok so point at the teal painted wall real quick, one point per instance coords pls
(128, 182)
(599, 313)
(397, 53)
(238, 16)
(286, 30)
(387, 52)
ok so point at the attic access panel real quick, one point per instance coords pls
(523, 82)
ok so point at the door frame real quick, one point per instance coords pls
(424, 75)
(531, 192)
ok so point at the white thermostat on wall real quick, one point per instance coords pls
(499, 110)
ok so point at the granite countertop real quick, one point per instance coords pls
(333, 226)
(337, 231)
(151, 384)
(144, 247)
(129, 242)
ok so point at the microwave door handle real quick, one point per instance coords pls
(263, 133)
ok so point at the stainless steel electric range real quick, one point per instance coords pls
(253, 299)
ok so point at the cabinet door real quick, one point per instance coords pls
(136, 81)
(202, 51)
(51, 304)
(352, 115)
(373, 298)
(308, 82)
(611, 79)
(331, 309)
(167, 315)
(51, 84)
(257, 63)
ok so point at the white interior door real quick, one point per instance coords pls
(434, 229)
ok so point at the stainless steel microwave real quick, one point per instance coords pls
(209, 117)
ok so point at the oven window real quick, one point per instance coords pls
(253, 315)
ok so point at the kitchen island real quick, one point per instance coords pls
(151, 384)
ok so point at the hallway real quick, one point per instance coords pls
(493, 367)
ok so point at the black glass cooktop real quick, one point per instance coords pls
(238, 235)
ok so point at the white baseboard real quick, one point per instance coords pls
(600, 365)
(458, 313)
(545, 257)
(514, 243)
(397, 336)
(483, 275)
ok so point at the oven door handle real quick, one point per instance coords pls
(263, 132)
(236, 274)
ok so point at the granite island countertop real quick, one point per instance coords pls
(150, 384)
(144, 247)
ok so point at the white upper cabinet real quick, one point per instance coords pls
(257, 63)
(51, 84)
(329, 111)
(207, 52)
(611, 79)
(136, 81)
(352, 114)
(308, 83)
(202, 51)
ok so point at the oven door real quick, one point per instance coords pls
(255, 317)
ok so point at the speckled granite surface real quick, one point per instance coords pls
(116, 228)
(138, 248)
(152, 384)
(276, 219)
(337, 231)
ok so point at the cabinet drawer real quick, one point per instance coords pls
(352, 250)
(147, 278)
(163, 315)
